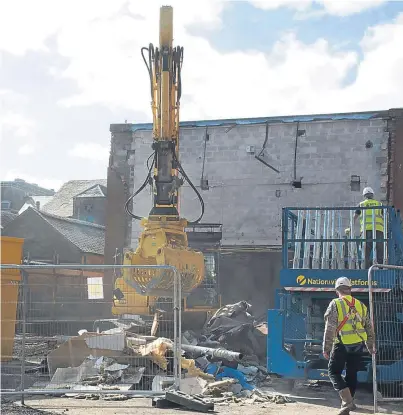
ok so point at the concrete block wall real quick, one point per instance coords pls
(245, 195)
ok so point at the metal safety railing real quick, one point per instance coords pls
(338, 238)
(386, 312)
(55, 341)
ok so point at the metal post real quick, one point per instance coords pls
(385, 235)
(307, 244)
(24, 276)
(316, 244)
(371, 314)
(284, 225)
(352, 263)
(297, 250)
(325, 253)
(175, 301)
(180, 328)
(340, 234)
(364, 237)
(334, 244)
(374, 254)
(177, 330)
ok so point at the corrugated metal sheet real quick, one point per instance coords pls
(278, 119)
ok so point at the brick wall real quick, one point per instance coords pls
(246, 196)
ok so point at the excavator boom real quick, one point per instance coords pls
(163, 240)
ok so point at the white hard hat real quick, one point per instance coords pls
(367, 191)
(342, 282)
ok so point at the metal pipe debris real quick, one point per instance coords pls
(214, 353)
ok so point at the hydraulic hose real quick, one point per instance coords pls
(177, 62)
(140, 189)
(199, 196)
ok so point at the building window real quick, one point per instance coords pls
(5, 205)
(210, 268)
(95, 288)
(88, 219)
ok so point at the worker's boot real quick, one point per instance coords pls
(347, 402)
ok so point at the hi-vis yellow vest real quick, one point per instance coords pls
(351, 314)
(369, 213)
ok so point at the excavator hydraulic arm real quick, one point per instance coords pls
(163, 240)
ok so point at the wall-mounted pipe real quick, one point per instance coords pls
(259, 156)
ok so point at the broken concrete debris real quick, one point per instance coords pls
(224, 363)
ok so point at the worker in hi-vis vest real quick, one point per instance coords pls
(348, 330)
(372, 216)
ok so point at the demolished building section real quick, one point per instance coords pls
(296, 146)
(224, 362)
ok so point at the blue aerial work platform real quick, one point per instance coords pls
(318, 249)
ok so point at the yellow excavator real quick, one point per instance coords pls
(163, 240)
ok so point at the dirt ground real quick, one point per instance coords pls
(310, 401)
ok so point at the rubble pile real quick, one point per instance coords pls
(234, 328)
(224, 363)
(36, 347)
(228, 391)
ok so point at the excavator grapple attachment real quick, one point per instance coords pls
(163, 246)
(160, 282)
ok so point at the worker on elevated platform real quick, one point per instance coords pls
(372, 216)
(348, 330)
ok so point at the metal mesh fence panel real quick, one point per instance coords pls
(332, 238)
(72, 330)
(295, 318)
(386, 310)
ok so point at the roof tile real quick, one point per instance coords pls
(88, 237)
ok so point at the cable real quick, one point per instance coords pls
(139, 190)
(148, 160)
(295, 152)
(150, 51)
(182, 171)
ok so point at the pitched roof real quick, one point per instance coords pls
(43, 200)
(86, 236)
(62, 202)
(33, 200)
(94, 191)
(7, 217)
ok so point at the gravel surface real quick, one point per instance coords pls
(306, 401)
(10, 408)
(65, 406)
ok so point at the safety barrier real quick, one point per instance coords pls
(331, 238)
(55, 341)
(386, 310)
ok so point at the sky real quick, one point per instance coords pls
(70, 68)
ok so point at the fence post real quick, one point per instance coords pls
(373, 355)
(24, 278)
(177, 329)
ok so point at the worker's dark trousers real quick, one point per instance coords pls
(347, 357)
(368, 249)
